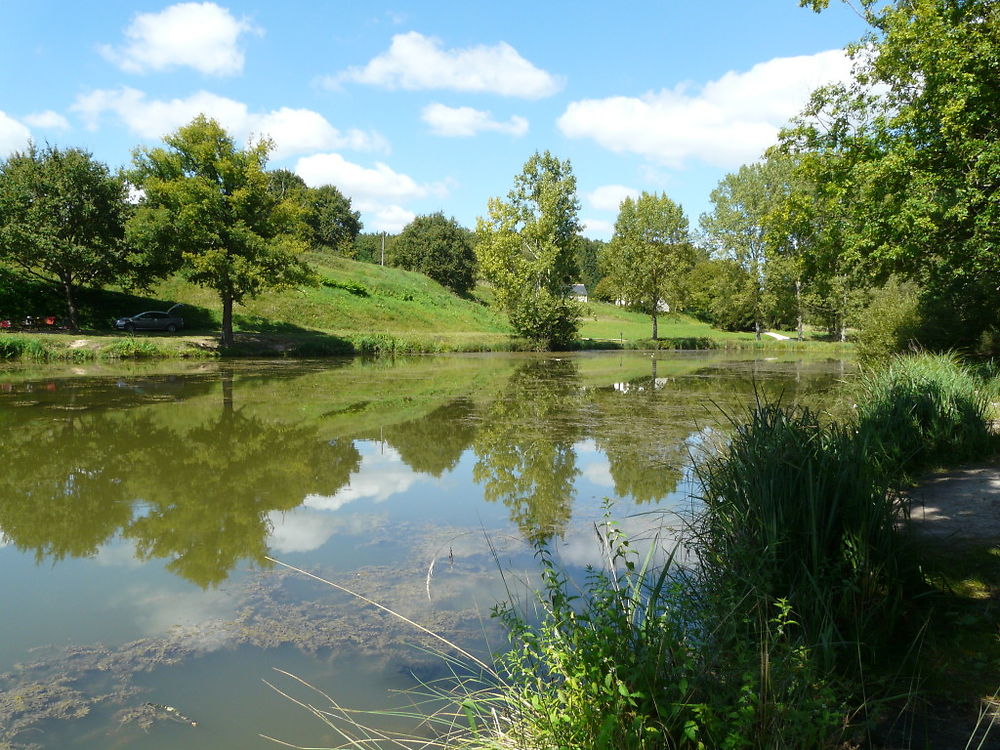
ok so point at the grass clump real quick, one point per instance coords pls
(14, 347)
(133, 348)
(922, 412)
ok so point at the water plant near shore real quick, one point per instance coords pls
(789, 631)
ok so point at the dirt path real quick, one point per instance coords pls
(960, 505)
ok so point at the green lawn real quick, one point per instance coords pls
(353, 308)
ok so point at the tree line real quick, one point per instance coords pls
(876, 210)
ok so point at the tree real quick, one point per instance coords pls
(62, 216)
(527, 249)
(588, 254)
(915, 140)
(649, 254)
(438, 247)
(207, 211)
(329, 216)
(737, 228)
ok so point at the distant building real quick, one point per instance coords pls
(579, 292)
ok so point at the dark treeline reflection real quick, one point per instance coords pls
(189, 469)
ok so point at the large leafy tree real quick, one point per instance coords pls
(207, 210)
(527, 249)
(438, 247)
(737, 228)
(326, 218)
(62, 218)
(915, 141)
(329, 216)
(650, 253)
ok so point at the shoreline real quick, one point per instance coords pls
(89, 346)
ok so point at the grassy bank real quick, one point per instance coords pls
(356, 308)
(808, 621)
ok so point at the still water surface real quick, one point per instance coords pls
(138, 505)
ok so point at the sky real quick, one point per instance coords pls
(415, 107)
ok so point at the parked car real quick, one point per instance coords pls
(151, 320)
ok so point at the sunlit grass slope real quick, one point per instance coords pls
(350, 297)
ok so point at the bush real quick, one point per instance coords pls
(890, 323)
(549, 321)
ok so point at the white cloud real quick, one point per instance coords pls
(294, 131)
(305, 529)
(47, 119)
(610, 197)
(378, 182)
(13, 135)
(375, 191)
(203, 36)
(728, 122)
(600, 227)
(381, 476)
(599, 473)
(466, 121)
(385, 217)
(300, 530)
(416, 62)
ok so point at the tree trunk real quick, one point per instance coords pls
(757, 326)
(843, 317)
(227, 320)
(798, 305)
(70, 304)
(654, 321)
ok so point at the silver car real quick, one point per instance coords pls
(152, 320)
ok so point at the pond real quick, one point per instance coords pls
(141, 508)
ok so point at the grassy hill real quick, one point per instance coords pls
(354, 308)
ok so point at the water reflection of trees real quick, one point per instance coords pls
(434, 444)
(197, 494)
(524, 448)
(193, 480)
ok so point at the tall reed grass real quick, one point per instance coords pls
(924, 411)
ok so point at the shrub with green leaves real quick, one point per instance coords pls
(890, 322)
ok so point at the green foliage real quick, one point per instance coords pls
(910, 151)
(367, 247)
(588, 253)
(890, 323)
(799, 511)
(634, 657)
(549, 320)
(740, 229)
(15, 347)
(133, 348)
(62, 217)
(527, 248)
(718, 294)
(329, 217)
(649, 255)
(437, 247)
(611, 667)
(921, 412)
(207, 209)
(358, 290)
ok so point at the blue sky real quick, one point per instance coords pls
(416, 107)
